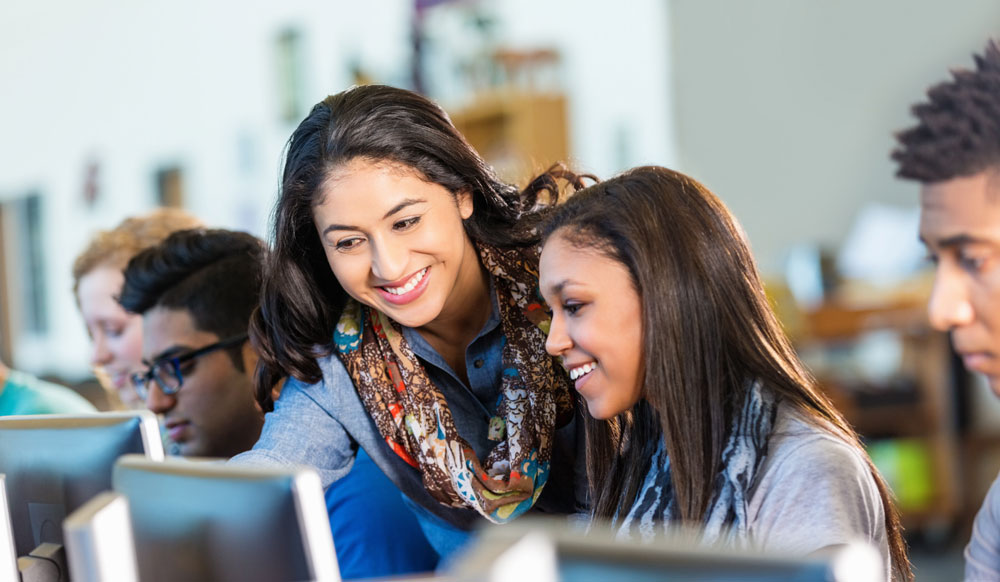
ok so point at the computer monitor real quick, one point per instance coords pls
(99, 543)
(555, 551)
(56, 463)
(8, 556)
(199, 520)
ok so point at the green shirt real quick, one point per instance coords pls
(26, 394)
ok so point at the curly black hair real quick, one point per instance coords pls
(958, 133)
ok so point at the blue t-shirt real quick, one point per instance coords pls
(374, 532)
(25, 394)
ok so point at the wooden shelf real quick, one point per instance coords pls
(520, 133)
(925, 414)
(832, 322)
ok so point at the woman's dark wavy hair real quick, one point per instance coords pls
(301, 299)
(958, 129)
(707, 328)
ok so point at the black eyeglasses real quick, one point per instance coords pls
(167, 371)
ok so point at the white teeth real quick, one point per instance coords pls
(582, 371)
(404, 289)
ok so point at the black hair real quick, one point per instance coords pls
(213, 274)
(301, 298)
(958, 129)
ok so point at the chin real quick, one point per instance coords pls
(413, 317)
(408, 321)
(600, 412)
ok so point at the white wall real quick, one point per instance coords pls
(139, 85)
(786, 108)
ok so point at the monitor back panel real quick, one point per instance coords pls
(54, 464)
(205, 526)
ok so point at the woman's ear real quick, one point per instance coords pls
(465, 206)
(249, 356)
(276, 391)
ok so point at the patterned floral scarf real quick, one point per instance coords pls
(413, 416)
(725, 520)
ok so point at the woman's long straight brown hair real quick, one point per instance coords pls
(707, 330)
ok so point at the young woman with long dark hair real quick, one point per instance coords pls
(700, 411)
(401, 301)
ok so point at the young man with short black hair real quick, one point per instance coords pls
(954, 152)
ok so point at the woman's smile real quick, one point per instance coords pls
(408, 290)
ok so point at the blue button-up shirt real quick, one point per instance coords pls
(323, 424)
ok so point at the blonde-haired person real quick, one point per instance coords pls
(116, 335)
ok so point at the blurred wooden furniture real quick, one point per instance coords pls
(517, 120)
(918, 404)
(519, 132)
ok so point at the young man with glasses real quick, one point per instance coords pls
(195, 292)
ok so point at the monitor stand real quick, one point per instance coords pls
(46, 563)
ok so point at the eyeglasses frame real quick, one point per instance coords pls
(140, 380)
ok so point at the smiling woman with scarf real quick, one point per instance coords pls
(401, 301)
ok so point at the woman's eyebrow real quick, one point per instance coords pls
(393, 210)
(402, 205)
(556, 289)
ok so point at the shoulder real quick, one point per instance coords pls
(334, 372)
(799, 444)
(814, 489)
(328, 394)
(334, 380)
(310, 425)
(982, 554)
(26, 394)
(993, 498)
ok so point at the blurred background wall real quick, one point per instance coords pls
(786, 109)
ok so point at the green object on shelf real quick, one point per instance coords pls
(906, 466)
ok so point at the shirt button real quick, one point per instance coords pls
(478, 363)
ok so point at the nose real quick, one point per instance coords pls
(949, 306)
(388, 261)
(157, 401)
(557, 342)
(101, 355)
